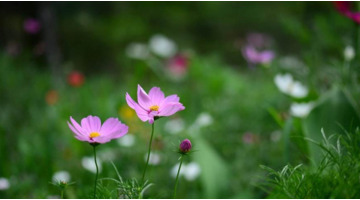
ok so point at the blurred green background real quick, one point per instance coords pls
(75, 59)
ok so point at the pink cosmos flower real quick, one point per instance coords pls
(32, 26)
(154, 105)
(344, 7)
(178, 65)
(254, 56)
(92, 131)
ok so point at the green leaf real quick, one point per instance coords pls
(333, 110)
(214, 173)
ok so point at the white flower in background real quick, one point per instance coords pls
(204, 119)
(61, 176)
(162, 46)
(154, 158)
(288, 85)
(349, 53)
(137, 51)
(190, 171)
(127, 141)
(174, 126)
(4, 184)
(301, 109)
(89, 164)
(174, 170)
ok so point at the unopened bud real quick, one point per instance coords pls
(185, 146)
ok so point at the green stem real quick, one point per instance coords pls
(177, 176)
(97, 171)
(148, 157)
(62, 193)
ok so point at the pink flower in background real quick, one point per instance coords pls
(32, 26)
(254, 56)
(256, 50)
(92, 131)
(76, 79)
(344, 7)
(154, 104)
(178, 66)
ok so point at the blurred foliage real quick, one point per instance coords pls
(333, 178)
(251, 123)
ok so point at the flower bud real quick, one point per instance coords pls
(185, 146)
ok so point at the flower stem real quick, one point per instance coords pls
(62, 193)
(177, 176)
(148, 157)
(97, 171)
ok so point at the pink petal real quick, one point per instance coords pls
(170, 99)
(250, 54)
(152, 116)
(85, 125)
(91, 123)
(355, 16)
(121, 130)
(266, 56)
(101, 139)
(85, 139)
(141, 113)
(156, 96)
(78, 135)
(78, 127)
(108, 126)
(130, 101)
(143, 99)
(151, 120)
(117, 129)
(96, 123)
(170, 109)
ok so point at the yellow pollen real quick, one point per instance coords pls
(154, 108)
(94, 134)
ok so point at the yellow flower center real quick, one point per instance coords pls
(154, 108)
(94, 134)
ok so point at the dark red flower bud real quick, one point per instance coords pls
(185, 146)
